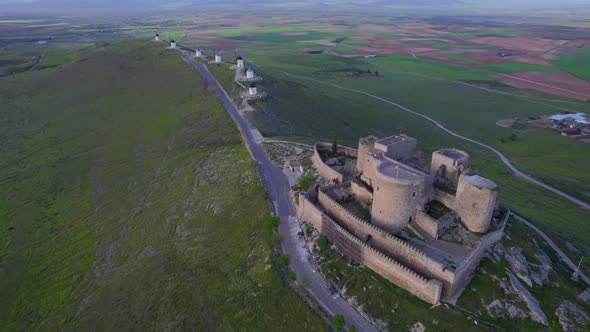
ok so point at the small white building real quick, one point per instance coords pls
(218, 57)
(252, 90)
(250, 73)
(199, 53)
(173, 43)
(157, 37)
(240, 61)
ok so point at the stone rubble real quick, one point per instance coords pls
(571, 318)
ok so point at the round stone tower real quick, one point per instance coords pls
(218, 57)
(199, 53)
(240, 61)
(397, 190)
(173, 43)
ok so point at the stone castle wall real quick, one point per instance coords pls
(390, 269)
(434, 228)
(465, 270)
(395, 247)
(362, 193)
(475, 205)
(325, 170)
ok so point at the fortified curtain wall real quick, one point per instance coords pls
(465, 270)
(397, 248)
(325, 170)
(390, 269)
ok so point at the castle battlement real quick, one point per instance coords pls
(400, 194)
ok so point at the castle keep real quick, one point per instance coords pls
(414, 215)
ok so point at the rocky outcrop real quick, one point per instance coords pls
(519, 264)
(496, 309)
(571, 318)
(585, 296)
(418, 327)
(536, 313)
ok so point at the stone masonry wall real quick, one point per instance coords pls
(464, 271)
(390, 269)
(309, 212)
(361, 192)
(431, 226)
(325, 170)
(395, 247)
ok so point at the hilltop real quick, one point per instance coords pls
(128, 202)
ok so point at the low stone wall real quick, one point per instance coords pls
(393, 246)
(390, 269)
(325, 170)
(434, 228)
(361, 192)
(445, 198)
(464, 271)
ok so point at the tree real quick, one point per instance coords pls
(284, 260)
(273, 222)
(334, 146)
(376, 73)
(513, 137)
(338, 321)
(351, 328)
(368, 71)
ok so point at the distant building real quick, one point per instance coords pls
(199, 53)
(157, 37)
(250, 73)
(252, 90)
(504, 54)
(240, 61)
(576, 117)
(218, 57)
(172, 43)
(370, 56)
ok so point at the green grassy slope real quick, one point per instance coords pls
(127, 202)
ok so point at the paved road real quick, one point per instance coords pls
(561, 254)
(278, 188)
(505, 160)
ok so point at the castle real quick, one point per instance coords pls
(409, 212)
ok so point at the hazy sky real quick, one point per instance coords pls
(463, 6)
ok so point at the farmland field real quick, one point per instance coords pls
(128, 202)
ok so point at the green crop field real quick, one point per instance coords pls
(576, 63)
(128, 203)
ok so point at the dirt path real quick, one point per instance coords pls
(585, 95)
(505, 160)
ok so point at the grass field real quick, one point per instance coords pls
(128, 202)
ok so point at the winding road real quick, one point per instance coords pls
(504, 159)
(278, 189)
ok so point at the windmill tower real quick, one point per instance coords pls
(240, 61)
(217, 57)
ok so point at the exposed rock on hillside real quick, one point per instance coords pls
(571, 317)
(536, 313)
(418, 327)
(519, 264)
(585, 296)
